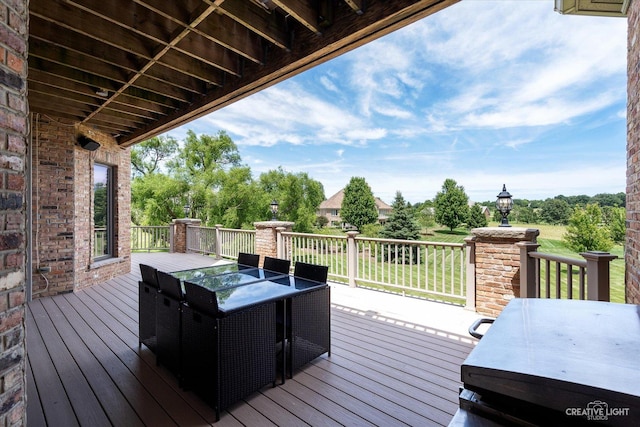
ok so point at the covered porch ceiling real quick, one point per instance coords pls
(137, 68)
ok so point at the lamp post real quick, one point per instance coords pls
(187, 210)
(274, 210)
(504, 205)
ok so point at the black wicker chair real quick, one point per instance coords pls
(169, 322)
(277, 265)
(317, 273)
(250, 260)
(147, 296)
(227, 358)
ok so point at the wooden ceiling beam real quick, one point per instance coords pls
(258, 20)
(302, 12)
(217, 28)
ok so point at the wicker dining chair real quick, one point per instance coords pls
(277, 265)
(169, 322)
(251, 260)
(147, 296)
(317, 273)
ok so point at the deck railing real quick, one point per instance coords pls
(552, 276)
(222, 242)
(429, 269)
(419, 268)
(150, 238)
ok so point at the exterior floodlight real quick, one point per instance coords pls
(504, 204)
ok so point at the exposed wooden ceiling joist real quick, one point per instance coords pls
(138, 68)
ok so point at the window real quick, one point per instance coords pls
(103, 224)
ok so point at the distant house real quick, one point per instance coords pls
(330, 209)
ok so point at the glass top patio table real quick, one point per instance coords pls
(213, 270)
(276, 288)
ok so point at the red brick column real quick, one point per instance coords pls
(14, 129)
(632, 258)
(497, 266)
(266, 237)
(179, 233)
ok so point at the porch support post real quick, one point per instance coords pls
(598, 286)
(470, 257)
(528, 286)
(352, 258)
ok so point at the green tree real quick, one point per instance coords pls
(205, 158)
(476, 217)
(555, 211)
(586, 231)
(358, 205)
(238, 201)
(451, 205)
(156, 199)
(401, 225)
(615, 219)
(298, 197)
(147, 157)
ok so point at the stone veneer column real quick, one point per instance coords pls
(266, 237)
(179, 233)
(632, 256)
(497, 265)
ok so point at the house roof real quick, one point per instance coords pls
(335, 202)
(592, 7)
(135, 69)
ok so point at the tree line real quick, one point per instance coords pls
(205, 178)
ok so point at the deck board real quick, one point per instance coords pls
(83, 350)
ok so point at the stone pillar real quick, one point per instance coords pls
(497, 265)
(267, 237)
(179, 233)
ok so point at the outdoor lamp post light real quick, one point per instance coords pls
(274, 209)
(187, 209)
(504, 205)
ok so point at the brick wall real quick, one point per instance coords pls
(88, 272)
(62, 207)
(13, 142)
(497, 266)
(632, 258)
(52, 205)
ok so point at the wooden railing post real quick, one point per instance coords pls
(280, 242)
(218, 241)
(528, 286)
(470, 257)
(352, 257)
(598, 287)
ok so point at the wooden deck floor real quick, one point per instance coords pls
(85, 368)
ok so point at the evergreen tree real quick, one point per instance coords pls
(401, 225)
(476, 217)
(358, 205)
(451, 205)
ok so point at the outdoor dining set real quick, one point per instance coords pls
(225, 331)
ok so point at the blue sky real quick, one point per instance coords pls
(483, 92)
